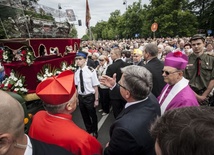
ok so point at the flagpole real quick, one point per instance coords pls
(90, 33)
(88, 18)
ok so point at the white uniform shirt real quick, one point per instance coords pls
(90, 80)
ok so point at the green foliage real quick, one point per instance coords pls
(174, 18)
(73, 32)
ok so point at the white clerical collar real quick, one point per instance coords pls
(131, 103)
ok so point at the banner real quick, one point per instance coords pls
(88, 16)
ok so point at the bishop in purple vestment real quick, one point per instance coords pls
(177, 92)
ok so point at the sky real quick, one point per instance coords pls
(99, 9)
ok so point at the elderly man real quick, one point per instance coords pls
(55, 126)
(129, 134)
(200, 70)
(13, 141)
(138, 57)
(177, 92)
(185, 131)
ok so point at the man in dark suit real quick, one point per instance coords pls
(129, 134)
(116, 101)
(13, 141)
(155, 66)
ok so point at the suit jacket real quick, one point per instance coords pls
(91, 63)
(141, 63)
(41, 148)
(129, 134)
(115, 68)
(155, 66)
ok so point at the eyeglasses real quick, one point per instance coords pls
(78, 58)
(167, 72)
(101, 59)
(122, 86)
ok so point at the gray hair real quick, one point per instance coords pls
(138, 80)
(54, 109)
(117, 51)
(152, 49)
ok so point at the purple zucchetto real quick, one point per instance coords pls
(177, 60)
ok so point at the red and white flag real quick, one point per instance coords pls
(88, 15)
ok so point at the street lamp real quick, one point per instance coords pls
(59, 7)
(125, 3)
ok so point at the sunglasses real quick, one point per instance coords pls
(167, 72)
(101, 59)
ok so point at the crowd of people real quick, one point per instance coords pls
(160, 91)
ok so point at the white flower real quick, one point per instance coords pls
(23, 89)
(40, 78)
(58, 72)
(28, 61)
(50, 74)
(5, 57)
(20, 85)
(16, 89)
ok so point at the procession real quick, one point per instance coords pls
(132, 93)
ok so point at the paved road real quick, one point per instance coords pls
(103, 125)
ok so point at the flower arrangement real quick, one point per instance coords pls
(7, 55)
(27, 55)
(65, 66)
(46, 72)
(15, 83)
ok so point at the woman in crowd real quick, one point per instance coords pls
(103, 90)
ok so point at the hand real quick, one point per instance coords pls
(96, 103)
(202, 99)
(108, 81)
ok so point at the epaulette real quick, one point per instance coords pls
(91, 68)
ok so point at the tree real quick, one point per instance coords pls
(73, 32)
(172, 17)
(203, 9)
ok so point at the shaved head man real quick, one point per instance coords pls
(11, 125)
(13, 141)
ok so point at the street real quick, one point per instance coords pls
(104, 123)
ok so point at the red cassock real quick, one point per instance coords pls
(59, 129)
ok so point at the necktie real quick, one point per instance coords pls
(81, 82)
(198, 66)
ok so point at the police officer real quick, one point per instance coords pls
(87, 85)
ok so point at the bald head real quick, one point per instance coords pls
(11, 115)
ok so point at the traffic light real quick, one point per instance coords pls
(79, 22)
